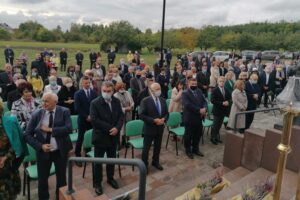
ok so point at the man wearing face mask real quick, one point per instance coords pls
(53, 86)
(253, 92)
(203, 78)
(154, 113)
(194, 111)
(107, 119)
(83, 98)
(123, 68)
(137, 85)
(163, 79)
(53, 72)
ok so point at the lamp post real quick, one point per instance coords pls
(161, 63)
(284, 147)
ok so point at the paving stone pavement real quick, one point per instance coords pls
(178, 170)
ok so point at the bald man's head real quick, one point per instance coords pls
(155, 89)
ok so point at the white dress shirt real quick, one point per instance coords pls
(45, 122)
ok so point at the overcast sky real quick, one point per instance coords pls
(147, 13)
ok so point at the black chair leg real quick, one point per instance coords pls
(167, 140)
(176, 145)
(84, 167)
(28, 187)
(126, 148)
(24, 182)
(132, 155)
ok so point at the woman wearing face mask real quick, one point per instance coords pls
(127, 105)
(36, 82)
(53, 86)
(25, 106)
(66, 95)
(253, 92)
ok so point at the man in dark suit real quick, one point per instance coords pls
(111, 56)
(79, 58)
(9, 55)
(63, 59)
(107, 120)
(222, 69)
(128, 76)
(146, 91)
(163, 79)
(137, 85)
(220, 98)
(123, 68)
(253, 92)
(267, 84)
(83, 98)
(15, 94)
(48, 133)
(203, 79)
(154, 113)
(93, 58)
(194, 111)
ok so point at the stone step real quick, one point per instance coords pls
(236, 174)
(244, 183)
(79, 195)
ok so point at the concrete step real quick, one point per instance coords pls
(236, 174)
(79, 195)
(244, 183)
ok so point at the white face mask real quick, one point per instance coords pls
(157, 93)
(122, 91)
(68, 85)
(106, 96)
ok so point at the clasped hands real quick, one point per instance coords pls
(159, 121)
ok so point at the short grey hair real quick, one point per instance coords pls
(108, 84)
(52, 95)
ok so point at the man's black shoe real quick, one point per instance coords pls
(157, 166)
(214, 141)
(190, 155)
(99, 190)
(219, 141)
(198, 153)
(78, 164)
(113, 183)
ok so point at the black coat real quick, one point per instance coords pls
(191, 107)
(126, 79)
(124, 71)
(176, 77)
(217, 100)
(82, 104)
(143, 94)
(103, 120)
(135, 88)
(41, 67)
(63, 57)
(203, 80)
(79, 57)
(271, 82)
(67, 94)
(13, 96)
(148, 113)
(252, 89)
(223, 72)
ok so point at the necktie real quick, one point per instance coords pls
(140, 85)
(48, 138)
(88, 94)
(157, 106)
(223, 93)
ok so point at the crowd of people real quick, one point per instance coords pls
(106, 98)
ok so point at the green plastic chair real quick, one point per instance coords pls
(30, 172)
(173, 126)
(87, 144)
(7, 113)
(170, 94)
(209, 96)
(168, 101)
(129, 90)
(207, 123)
(134, 129)
(74, 134)
(209, 110)
(5, 108)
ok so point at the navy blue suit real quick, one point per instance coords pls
(192, 119)
(34, 136)
(82, 106)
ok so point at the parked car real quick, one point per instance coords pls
(196, 53)
(248, 55)
(287, 55)
(221, 55)
(269, 54)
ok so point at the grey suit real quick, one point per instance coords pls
(36, 138)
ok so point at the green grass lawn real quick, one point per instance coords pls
(31, 48)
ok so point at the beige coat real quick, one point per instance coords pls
(214, 75)
(176, 101)
(239, 103)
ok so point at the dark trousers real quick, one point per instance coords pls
(92, 63)
(192, 136)
(82, 127)
(249, 120)
(44, 162)
(148, 139)
(63, 66)
(217, 124)
(9, 60)
(265, 93)
(110, 169)
(80, 64)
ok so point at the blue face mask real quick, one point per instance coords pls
(204, 70)
(53, 83)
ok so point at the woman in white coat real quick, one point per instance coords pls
(239, 104)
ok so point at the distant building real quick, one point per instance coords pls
(6, 27)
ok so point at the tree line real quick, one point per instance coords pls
(123, 35)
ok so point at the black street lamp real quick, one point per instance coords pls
(161, 63)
